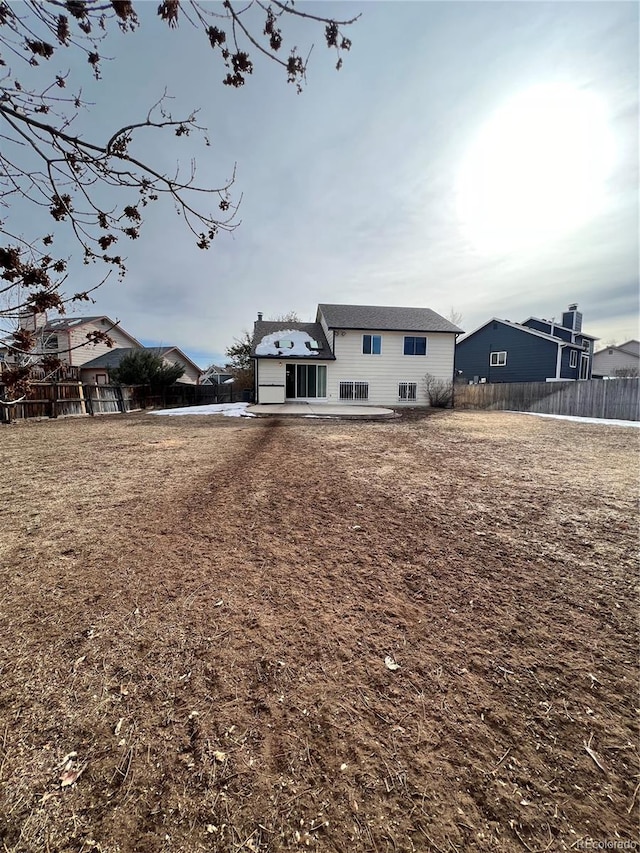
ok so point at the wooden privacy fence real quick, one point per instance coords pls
(591, 398)
(47, 400)
(54, 399)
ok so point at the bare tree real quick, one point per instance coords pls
(454, 316)
(289, 317)
(99, 189)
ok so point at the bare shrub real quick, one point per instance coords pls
(439, 391)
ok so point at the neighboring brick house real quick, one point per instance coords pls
(353, 353)
(534, 351)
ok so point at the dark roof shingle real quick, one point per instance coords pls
(385, 318)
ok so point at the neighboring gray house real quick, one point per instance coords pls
(96, 371)
(215, 375)
(614, 361)
(353, 354)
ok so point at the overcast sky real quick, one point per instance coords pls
(349, 189)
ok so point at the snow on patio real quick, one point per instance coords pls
(230, 410)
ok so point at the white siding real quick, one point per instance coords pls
(78, 335)
(385, 371)
(190, 375)
(270, 371)
(327, 331)
(606, 362)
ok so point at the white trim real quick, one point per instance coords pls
(573, 358)
(497, 362)
(526, 329)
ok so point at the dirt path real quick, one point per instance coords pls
(214, 644)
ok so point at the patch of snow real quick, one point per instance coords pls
(267, 345)
(601, 421)
(230, 410)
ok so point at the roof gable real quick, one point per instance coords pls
(385, 318)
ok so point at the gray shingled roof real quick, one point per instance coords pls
(262, 328)
(383, 318)
(115, 356)
(59, 323)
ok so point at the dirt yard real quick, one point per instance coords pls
(195, 615)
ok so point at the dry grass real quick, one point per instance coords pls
(200, 609)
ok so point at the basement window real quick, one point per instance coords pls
(354, 390)
(407, 390)
(498, 359)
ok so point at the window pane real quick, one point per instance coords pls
(301, 380)
(311, 380)
(421, 346)
(408, 346)
(366, 344)
(322, 380)
(376, 344)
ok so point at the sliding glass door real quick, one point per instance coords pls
(306, 381)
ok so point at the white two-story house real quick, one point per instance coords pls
(353, 354)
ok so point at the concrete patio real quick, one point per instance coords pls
(320, 410)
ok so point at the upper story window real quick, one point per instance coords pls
(51, 343)
(498, 359)
(573, 358)
(371, 344)
(415, 345)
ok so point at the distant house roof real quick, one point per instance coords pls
(62, 324)
(628, 348)
(299, 336)
(114, 357)
(385, 318)
(529, 331)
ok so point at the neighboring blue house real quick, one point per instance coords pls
(533, 351)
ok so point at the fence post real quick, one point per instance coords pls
(88, 400)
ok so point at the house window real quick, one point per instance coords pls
(312, 345)
(498, 359)
(415, 345)
(101, 378)
(354, 390)
(573, 358)
(371, 344)
(284, 344)
(51, 343)
(407, 390)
